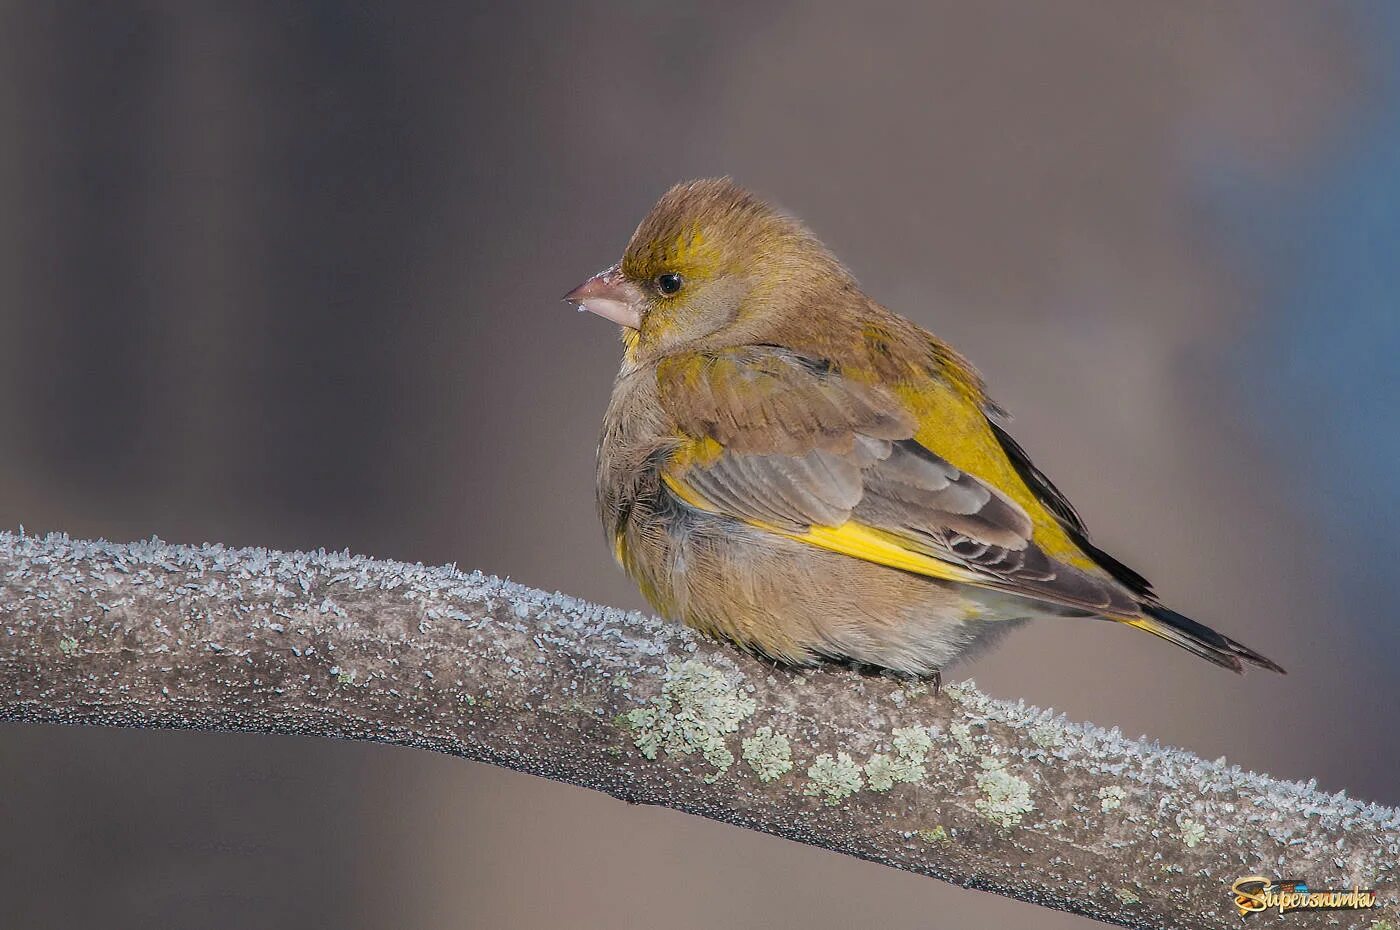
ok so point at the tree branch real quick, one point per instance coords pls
(979, 792)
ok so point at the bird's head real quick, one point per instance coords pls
(710, 263)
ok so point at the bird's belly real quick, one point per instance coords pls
(799, 603)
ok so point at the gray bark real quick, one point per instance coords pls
(980, 792)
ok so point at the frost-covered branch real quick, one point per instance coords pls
(976, 791)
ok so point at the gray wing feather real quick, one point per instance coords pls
(824, 451)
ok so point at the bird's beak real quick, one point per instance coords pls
(611, 296)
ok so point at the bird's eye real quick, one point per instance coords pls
(669, 283)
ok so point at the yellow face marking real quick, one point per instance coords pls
(691, 254)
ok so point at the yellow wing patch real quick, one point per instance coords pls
(850, 538)
(958, 432)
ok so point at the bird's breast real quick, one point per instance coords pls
(635, 440)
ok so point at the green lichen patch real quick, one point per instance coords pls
(1006, 798)
(962, 736)
(1192, 832)
(1047, 736)
(880, 772)
(68, 646)
(696, 709)
(937, 835)
(912, 743)
(1111, 798)
(834, 779)
(769, 754)
(911, 748)
(910, 691)
(1127, 895)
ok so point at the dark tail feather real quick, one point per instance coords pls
(1199, 639)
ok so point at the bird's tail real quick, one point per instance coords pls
(1199, 639)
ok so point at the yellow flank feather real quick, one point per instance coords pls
(862, 542)
(850, 538)
(703, 451)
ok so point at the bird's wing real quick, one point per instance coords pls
(791, 445)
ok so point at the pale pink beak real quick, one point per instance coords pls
(611, 296)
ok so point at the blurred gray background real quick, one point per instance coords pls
(288, 275)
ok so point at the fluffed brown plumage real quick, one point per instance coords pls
(787, 464)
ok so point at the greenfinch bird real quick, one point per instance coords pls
(789, 465)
